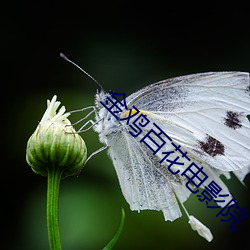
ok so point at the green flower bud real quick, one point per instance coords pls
(55, 144)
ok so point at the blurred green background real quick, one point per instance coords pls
(125, 47)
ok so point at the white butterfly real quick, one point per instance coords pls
(206, 114)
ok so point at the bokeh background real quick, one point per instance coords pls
(125, 45)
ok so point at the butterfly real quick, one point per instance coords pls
(204, 117)
(205, 113)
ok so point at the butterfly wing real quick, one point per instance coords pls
(205, 113)
(145, 183)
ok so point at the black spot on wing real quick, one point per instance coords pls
(212, 146)
(233, 119)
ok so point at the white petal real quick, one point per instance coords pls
(51, 114)
(200, 228)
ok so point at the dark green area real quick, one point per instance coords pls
(125, 47)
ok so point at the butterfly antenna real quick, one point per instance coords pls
(86, 73)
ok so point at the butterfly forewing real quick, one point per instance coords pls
(206, 113)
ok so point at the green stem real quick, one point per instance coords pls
(54, 177)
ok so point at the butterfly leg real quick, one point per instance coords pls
(81, 129)
(86, 116)
(92, 154)
(96, 152)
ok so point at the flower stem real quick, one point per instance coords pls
(54, 177)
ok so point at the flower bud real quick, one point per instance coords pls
(55, 144)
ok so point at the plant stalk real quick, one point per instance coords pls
(54, 178)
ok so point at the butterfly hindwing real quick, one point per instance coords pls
(144, 182)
